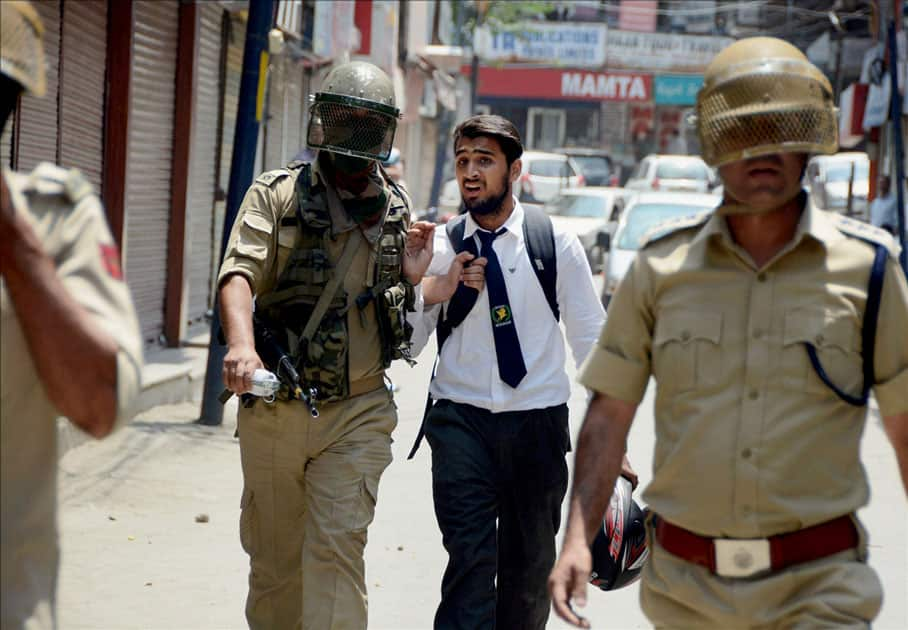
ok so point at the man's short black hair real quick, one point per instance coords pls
(493, 126)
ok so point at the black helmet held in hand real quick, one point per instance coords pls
(619, 550)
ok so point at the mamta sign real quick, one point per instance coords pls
(563, 84)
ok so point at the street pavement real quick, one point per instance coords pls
(149, 525)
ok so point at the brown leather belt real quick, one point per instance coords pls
(736, 557)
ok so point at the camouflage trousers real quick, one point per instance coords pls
(310, 486)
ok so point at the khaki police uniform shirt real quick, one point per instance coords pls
(259, 247)
(70, 222)
(749, 441)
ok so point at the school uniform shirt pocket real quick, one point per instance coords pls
(835, 334)
(687, 350)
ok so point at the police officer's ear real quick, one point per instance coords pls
(514, 173)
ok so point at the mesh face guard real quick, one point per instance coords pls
(21, 54)
(761, 107)
(352, 126)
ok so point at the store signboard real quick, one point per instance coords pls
(558, 84)
(676, 89)
(662, 51)
(563, 44)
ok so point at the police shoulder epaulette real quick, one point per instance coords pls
(671, 226)
(865, 232)
(269, 177)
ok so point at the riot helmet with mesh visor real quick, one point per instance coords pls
(354, 112)
(760, 96)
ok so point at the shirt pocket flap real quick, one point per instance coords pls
(254, 237)
(831, 329)
(687, 327)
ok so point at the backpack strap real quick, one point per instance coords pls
(539, 236)
(868, 333)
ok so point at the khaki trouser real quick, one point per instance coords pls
(309, 493)
(839, 591)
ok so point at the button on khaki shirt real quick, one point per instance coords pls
(70, 223)
(260, 245)
(749, 441)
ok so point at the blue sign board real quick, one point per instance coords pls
(679, 89)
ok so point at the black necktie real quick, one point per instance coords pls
(511, 367)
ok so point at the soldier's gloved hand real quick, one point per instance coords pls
(239, 364)
(419, 250)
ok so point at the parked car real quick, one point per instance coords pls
(586, 212)
(544, 175)
(596, 166)
(643, 212)
(827, 179)
(686, 173)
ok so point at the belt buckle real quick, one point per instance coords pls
(741, 557)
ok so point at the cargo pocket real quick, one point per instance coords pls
(687, 351)
(356, 511)
(836, 337)
(248, 522)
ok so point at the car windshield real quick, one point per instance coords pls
(550, 168)
(642, 217)
(587, 206)
(593, 165)
(681, 170)
(842, 172)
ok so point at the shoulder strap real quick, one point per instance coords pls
(868, 332)
(540, 243)
(461, 303)
(339, 272)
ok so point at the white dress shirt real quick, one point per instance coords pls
(467, 370)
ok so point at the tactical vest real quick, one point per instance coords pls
(323, 361)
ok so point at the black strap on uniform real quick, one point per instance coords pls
(539, 238)
(868, 333)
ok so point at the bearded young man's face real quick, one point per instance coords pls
(483, 174)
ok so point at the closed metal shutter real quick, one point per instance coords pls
(292, 121)
(235, 39)
(6, 144)
(82, 88)
(149, 161)
(200, 240)
(38, 118)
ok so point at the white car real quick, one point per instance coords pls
(643, 212)
(586, 212)
(544, 175)
(686, 173)
(828, 177)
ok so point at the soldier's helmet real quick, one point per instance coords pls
(760, 96)
(21, 52)
(354, 113)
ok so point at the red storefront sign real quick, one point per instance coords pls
(564, 84)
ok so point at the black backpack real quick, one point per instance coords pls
(540, 245)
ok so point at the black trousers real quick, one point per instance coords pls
(498, 480)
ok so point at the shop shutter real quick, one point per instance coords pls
(6, 144)
(82, 88)
(38, 118)
(292, 121)
(203, 170)
(149, 160)
(235, 39)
